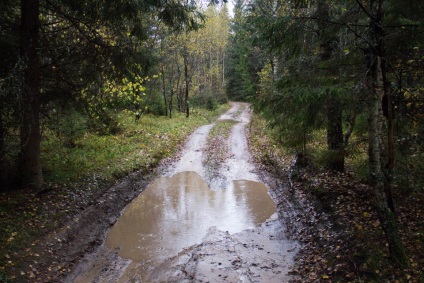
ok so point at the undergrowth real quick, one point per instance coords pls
(341, 237)
(139, 145)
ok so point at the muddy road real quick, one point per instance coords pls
(192, 226)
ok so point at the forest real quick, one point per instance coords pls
(93, 91)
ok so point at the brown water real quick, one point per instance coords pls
(176, 212)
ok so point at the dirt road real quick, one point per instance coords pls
(189, 226)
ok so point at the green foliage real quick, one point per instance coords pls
(293, 109)
(244, 60)
(68, 125)
(104, 124)
(211, 103)
(265, 145)
(208, 101)
(155, 104)
(93, 57)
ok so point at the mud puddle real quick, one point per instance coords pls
(176, 212)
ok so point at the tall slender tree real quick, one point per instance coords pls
(30, 163)
(376, 82)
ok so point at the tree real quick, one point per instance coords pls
(317, 74)
(377, 86)
(193, 62)
(30, 163)
(69, 52)
(244, 59)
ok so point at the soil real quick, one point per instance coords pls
(77, 252)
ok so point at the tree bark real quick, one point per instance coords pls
(164, 92)
(30, 162)
(170, 102)
(186, 86)
(333, 106)
(335, 134)
(3, 176)
(375, 80)
(388, 113)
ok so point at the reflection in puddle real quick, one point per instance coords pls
(175, 212)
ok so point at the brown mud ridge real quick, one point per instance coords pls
(228, 229)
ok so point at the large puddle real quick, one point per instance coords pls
(176, 212)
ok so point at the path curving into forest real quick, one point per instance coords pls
(189, 226)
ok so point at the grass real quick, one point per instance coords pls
(76, 174)
(140, 145)
(265, 146)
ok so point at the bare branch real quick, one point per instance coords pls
(364, 9)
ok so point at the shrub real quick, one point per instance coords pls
(155, 104)
(211, 103)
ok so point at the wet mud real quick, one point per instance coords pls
(185, 227)
(176, 212)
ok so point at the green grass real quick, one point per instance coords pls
(140, 145)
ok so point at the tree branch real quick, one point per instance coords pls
(364, 9)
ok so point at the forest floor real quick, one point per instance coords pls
(335, 223)
(324, 230)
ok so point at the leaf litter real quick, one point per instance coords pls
(341, 237)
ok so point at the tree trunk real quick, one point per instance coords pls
(186, 86)
(180, 99)
(3, 176)
(170, 103)
(375, 84)
(333, 106)
(335, 134)
(388, 113)
(30, 163)
(164, 91)
(223, 71)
